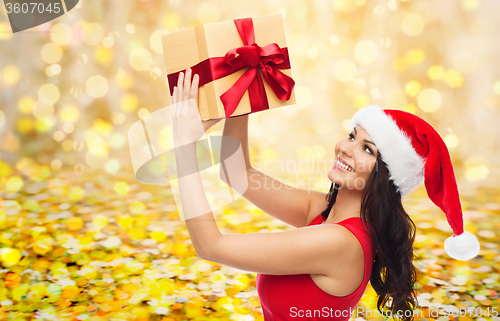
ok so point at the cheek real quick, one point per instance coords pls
(372, 165)
(366, 165)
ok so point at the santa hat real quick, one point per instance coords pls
(413, 150)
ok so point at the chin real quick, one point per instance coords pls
(335, 179)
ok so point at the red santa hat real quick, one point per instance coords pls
(413, 150)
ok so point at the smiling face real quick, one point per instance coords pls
(355, 159)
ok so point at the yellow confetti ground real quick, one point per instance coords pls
(92, 262)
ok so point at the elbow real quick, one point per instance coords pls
(202, 255)
(206, 255)
(209, 251)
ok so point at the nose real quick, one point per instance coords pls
(346, 149)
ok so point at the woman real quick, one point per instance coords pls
(321, 269)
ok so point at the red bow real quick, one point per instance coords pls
(268, 59)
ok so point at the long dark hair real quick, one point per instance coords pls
(393, 233)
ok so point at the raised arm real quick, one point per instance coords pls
(284, 202)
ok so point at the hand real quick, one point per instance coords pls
(187, 124)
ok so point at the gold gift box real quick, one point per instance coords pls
(188, 47)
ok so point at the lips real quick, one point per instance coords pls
(342, 164)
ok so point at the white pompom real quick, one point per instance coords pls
(462, 247)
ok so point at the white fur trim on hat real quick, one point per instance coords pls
(406, 167)
(462, 247)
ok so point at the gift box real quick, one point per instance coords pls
(243, 65)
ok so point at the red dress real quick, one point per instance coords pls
(297, 297)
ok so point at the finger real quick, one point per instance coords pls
(194, 88)
(178, 105)
(180, 86)
(187, 85)
(175, 102)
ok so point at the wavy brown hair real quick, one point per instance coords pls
(393, 232)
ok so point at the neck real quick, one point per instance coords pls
(347, 205)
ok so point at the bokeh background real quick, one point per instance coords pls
(81, 238)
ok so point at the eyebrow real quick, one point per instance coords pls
(365, 140)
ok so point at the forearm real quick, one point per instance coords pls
(197, 213)
(236, 127)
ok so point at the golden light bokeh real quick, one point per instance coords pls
(5, 31)
(155, 41)
(496, 87)
(334, 39)
(412, 88)
(395, 99)
(414, 56)
(59, 136)
(68, 127)
(412, 24)
(129, 102)
(96, 86)
(48, 94)
(67, 145)
(304, 96)
(10, 75)
(2, 119)
(96, 156)
(429, 100)
(346, 5)
(117, 141)
(345, 125)
(43, 109)
(25, 104)
(92, 33)
(345, 70)
(142, 113)
(56, 164)
(298, 44)
(55, 69)
(69, 113)
(112, 166)
(365, 52)
(453, 78)
(436, 72)
(361, 101)
(375, 93)
(208, 12)
(51, 53)
(140, 59)
(24, 125)
(312, 53)
(476, 168)
(61, 34)
(108, 42)
(451, 141)
(130, 28)
(470, 5)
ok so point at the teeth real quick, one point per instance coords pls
(344, 166)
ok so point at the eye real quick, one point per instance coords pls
(351, 136)
(368, 148)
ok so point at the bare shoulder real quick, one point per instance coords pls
(348, 262)
(317, 204)
(342, 236)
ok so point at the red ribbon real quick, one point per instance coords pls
(267, 59)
